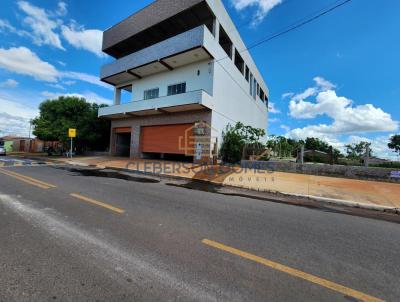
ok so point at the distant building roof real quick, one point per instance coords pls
(13, 138)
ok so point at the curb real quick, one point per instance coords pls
(340, 202)
(349, 203)
(333, 201)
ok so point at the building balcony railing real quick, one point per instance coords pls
(192, 100)
(186, 48)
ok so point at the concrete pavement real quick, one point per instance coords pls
(360, 193)
(56, 246)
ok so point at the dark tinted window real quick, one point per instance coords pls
(239, 63)
(225, 42)
(262, 95)
(151, 94)
(177, 89)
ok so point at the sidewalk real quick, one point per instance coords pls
(363, 193)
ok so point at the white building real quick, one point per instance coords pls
(184, 65)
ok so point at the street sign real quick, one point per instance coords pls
(71, 132)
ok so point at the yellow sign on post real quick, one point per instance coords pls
(71, 132)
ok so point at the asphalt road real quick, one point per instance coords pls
(147, 240)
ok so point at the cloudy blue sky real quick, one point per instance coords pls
(336, 78)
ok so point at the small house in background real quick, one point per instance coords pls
(26, 145)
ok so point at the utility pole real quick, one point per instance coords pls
(366, 158)
(30, 128)
(302, 154)
(71, 149)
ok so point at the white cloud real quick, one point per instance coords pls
(81, 38)
(379, 145)
(10, 83)
(47, 28)
(287, 95)
(16, 120)
(263, 7)
(16, 108)
(347, 120)
(285, 127)
(5, 26)
(42, 26)
(272, 108)
(62, 8)
(22, 60)
(320, 85)
(346, 117)
(85, 78)
(324, 84)
(69, 83)
(56, 86)
(62, 63)
(91, 97)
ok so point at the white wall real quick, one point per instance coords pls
(232, 99)
(186, 74)
(226, 22)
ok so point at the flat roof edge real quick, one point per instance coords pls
(147, 17)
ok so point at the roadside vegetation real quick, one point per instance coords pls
(57, 116)
(394, 144)
(245, 142)
(235, 139)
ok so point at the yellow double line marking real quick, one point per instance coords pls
(27, 179)
(294, 272)
(98, 203)
(45, 185)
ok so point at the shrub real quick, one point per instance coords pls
(234, 139)
(232, 145)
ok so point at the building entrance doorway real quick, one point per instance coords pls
(122, 141)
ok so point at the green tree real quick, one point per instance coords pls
(285, 147)
(357, 151)
(235, 138)
(316, 144)
(395, 143)
(282, 146)
(57, 116)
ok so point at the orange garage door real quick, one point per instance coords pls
(165, 138)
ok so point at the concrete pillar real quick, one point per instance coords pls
(330, 156)
(117, 96)
(366, 158)
(233, 53)
(301, 159)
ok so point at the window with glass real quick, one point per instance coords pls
(262, 95)
(177, 89)
(254, 88)
(151, 93)
(251, 84)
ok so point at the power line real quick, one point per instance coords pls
(244, 23)
(323, 13)
(292, 27)
(295, 25)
